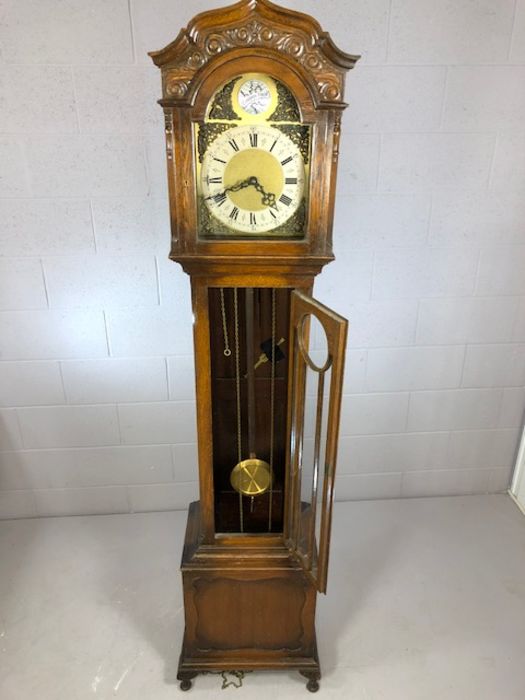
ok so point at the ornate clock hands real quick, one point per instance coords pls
(268, 198)
(234, 188)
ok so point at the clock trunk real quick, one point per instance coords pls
(264, 343)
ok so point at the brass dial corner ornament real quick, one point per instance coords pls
(222, 107)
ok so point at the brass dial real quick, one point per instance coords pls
(252, 178)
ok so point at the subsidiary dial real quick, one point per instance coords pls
(254, 96)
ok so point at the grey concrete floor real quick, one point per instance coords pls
(426, 601)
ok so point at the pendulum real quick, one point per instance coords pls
(252, 476)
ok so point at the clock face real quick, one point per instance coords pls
(252, 155)
(252, 178)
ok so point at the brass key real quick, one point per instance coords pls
(264, 357)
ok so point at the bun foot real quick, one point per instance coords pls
(185, 678)
(313, 678)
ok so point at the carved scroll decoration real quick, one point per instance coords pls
(298, 45)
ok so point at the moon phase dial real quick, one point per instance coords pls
(254, 96)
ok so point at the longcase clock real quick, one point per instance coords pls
(253, 97)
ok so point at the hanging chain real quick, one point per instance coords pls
(272, 404)
(227, 351)
(238, 393)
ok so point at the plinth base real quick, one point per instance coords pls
(248, 606)
(189, 669)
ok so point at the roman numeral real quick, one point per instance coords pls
(234, 214)
(290, 181)
(219, 199)
(233, 144)
(273, 145)
(214, 180)
(254, 137)
(253, 220)
(285, 200)
(286, 161)
(271, 212)
(219, 160)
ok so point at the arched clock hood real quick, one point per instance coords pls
(249, 25)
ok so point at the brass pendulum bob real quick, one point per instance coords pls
(252, 476)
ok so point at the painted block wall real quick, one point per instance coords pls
(96, 390)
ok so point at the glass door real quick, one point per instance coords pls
(318, 341)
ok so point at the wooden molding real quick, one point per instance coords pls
(254, 24)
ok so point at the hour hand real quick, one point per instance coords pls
(268, 198)
(233, 188)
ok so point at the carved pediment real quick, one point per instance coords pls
(254, 24)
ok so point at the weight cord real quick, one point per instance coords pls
(227, 351)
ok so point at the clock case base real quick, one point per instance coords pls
(247, 608)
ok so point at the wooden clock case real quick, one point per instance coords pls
(250, 598)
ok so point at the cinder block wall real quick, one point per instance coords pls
(95, 326)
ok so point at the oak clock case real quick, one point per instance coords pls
(252, 98)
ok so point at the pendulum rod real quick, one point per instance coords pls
(238, 394)
(250, 364)
(251, 476)
(272, 408)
